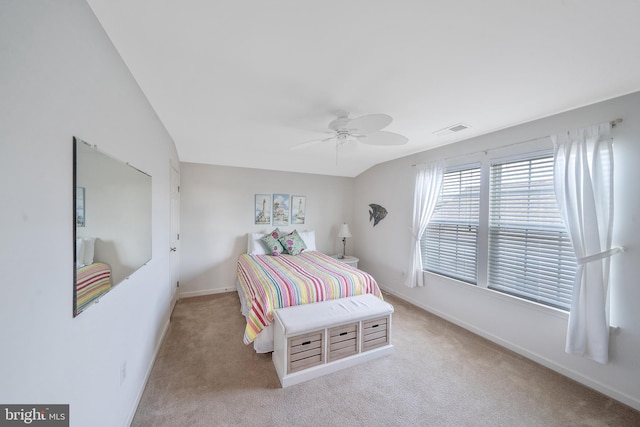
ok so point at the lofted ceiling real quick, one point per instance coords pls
(240, 83)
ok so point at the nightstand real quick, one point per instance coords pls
(350, 260)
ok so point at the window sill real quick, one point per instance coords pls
(510, 299)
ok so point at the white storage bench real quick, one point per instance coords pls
(311, 340)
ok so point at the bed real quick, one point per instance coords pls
(267, 282)
(92, 281)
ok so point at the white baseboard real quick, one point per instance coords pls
(205, 292)
(562, 370)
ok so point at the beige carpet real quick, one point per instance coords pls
(438, 375)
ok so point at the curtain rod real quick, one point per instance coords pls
(613, 124)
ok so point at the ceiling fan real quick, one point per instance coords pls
(365, 129)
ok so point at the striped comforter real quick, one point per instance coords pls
(91, 281)
(272, 282)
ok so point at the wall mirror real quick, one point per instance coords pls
(112, 223)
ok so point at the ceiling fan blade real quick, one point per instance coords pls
(311, 143)
(383, 138)
(369, 123)
(340, 123)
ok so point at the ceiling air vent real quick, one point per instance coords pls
(458, 127)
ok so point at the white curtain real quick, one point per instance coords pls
(428, 182)
(583, 180)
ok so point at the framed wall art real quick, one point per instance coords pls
(298, 208)
(281, 209)
(80, 207)
(262, 213)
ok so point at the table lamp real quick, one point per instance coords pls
(344, 233)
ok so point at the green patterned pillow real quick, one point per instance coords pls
(272, 244)
(293, 243)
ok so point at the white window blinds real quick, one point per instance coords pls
(530, 254)
(449, 245)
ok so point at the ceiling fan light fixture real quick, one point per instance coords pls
(342, 137)
(365, 129)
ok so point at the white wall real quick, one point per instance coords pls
(534, 331)
(60, 76)
(218, 212)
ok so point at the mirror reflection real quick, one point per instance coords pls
(112, 219)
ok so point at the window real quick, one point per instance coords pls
(450, 242)
(530, 253)
(497, 225)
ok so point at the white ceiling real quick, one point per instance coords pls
(239, 83)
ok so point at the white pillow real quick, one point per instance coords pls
(89, 248)
(79, 252)
(309, 238)
(254, 244)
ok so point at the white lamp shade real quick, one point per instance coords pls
(344, 231)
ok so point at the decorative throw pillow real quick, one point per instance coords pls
(271, 242)
(292, 243)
